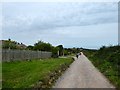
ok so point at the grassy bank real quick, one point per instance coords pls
(35, 73)
(107, 60)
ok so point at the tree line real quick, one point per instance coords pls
(40, 46)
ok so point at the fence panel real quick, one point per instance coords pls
(14, 55)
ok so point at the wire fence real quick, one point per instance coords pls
(14, 55)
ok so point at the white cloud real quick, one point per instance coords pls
(59, 22)
(59, 0)
(52, 15)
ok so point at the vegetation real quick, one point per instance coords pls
(39, 73)
(41, 46)
(9, 44)
(107, 60)
(60, 48)
(35, 73)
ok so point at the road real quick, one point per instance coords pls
(82, 74)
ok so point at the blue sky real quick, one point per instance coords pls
(85, 24)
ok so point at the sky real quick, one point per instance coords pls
(72, 24)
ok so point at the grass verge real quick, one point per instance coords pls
(33, 74)
(108, 70)
(107, 61)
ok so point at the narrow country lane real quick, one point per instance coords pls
(82, 74)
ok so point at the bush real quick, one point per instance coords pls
(107, 60)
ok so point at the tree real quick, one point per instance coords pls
(30, 47)
(65, 52)
(8, 44)
(55, 51)
(42, 46)
(60, 48)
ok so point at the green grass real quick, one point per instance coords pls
(105, 67)
(107, 61)
(25, 74)
(110, 71)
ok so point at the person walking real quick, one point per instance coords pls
(77, 55)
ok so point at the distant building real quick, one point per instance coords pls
(22, 46)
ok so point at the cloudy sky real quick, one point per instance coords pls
(85, 24)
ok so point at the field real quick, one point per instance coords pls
(106, 59)
(35, 73)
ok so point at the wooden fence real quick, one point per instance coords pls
(14, 55)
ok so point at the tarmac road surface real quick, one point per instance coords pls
(82, 74)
